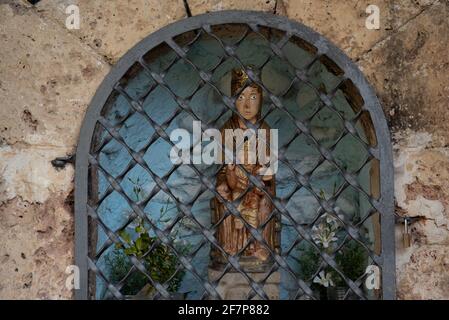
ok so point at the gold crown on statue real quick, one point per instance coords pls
(240, 79)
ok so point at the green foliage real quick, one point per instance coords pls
(309, 262)
(352, 261)
(161, 263)
(119, 265)
(137, 188)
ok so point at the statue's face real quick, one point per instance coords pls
(249, 102)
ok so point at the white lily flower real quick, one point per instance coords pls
(324, 279)
(326, 241)
(323, 235)
(331, 221)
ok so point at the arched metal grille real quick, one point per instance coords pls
(176, 42)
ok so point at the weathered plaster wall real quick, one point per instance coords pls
(48, 75)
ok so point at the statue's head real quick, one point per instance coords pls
(249, 101)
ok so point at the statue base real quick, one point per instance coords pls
(247, 263)
(234, 286)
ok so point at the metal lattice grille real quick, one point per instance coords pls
(364, 127)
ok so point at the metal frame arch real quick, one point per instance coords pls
(324, 46)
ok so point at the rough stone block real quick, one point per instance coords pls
(111, 28)
(204, 6)
(47, 79)
(409, 73)
(343, 22)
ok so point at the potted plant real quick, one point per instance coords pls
(161, 263)
(351, 260)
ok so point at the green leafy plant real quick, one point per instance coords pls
(161, 263)
(119, 265)
(309, 262)
(351, 260)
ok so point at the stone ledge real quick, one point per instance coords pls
(233, 286)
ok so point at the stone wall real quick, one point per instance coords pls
(48, 74)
